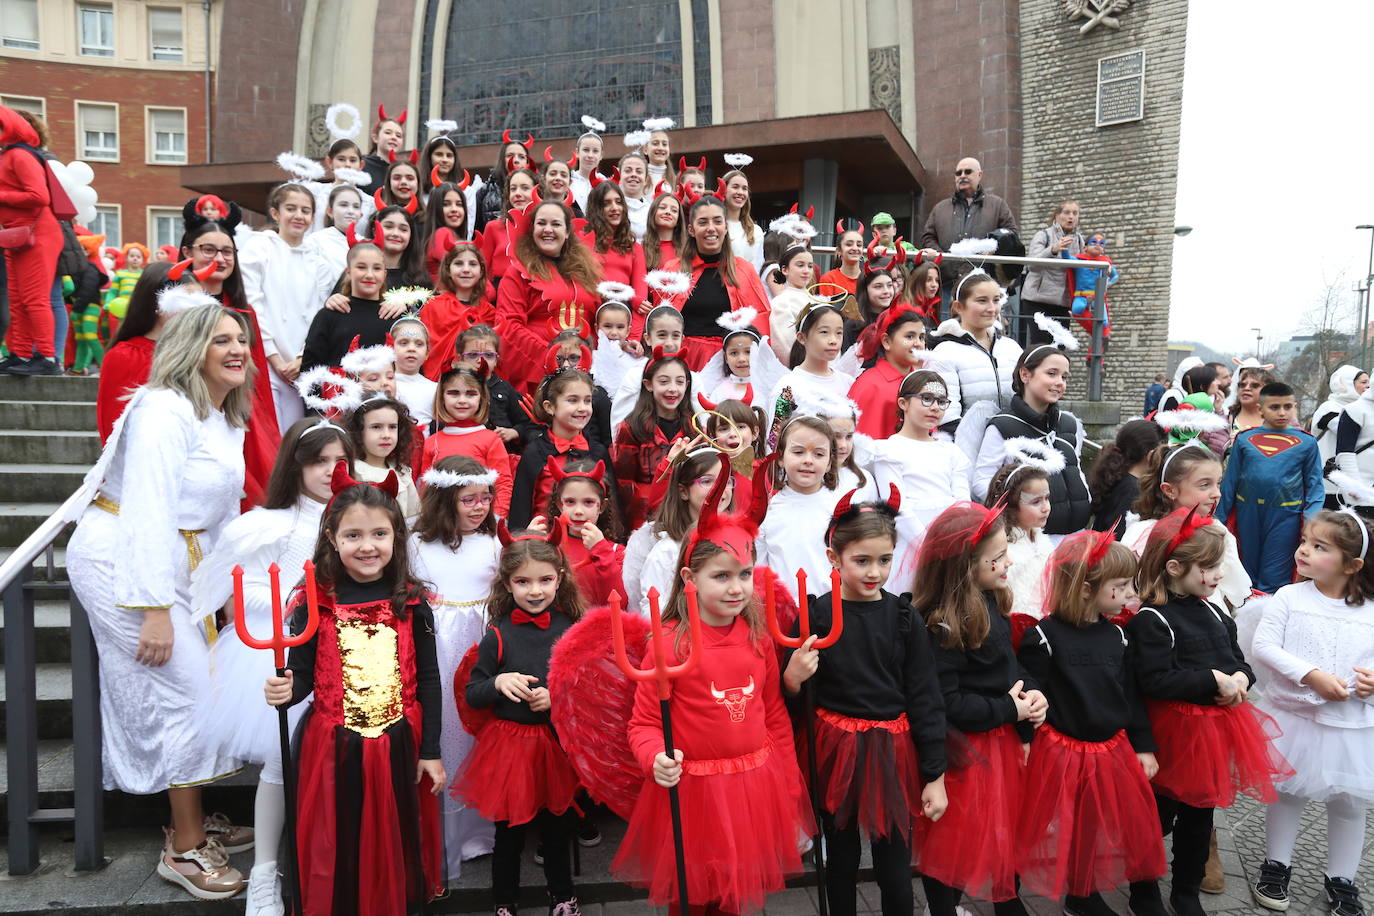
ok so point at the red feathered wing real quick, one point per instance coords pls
(473, 719)
(591, 704)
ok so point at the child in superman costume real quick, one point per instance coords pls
(1273, 480)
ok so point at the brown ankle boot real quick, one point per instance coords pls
(1213, 879)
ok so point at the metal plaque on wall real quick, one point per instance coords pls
(1120, 88)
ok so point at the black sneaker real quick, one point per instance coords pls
(1271, 890)
(1343, 897)
(1184, 903)
(567, 907)
(587, 833)
(1092, 905)
(1145, 899)
(38, 365)
(9, 362)
(539, 853)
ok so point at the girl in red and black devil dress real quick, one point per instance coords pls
(517, 774)
(880, 719)
(744, 808)
(367, 827)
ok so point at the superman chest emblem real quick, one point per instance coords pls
(1271, 444)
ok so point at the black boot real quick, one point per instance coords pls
(1146, 900)
(1091, 905)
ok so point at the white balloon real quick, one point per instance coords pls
(81, 172)
(84, 197)
(86, 215)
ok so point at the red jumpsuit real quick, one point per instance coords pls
(24, 201)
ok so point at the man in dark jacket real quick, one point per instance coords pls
(969, 213)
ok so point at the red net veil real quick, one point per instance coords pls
(959, 528)
(1070, 564)
(1176, 528)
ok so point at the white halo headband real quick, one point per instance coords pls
(324, 424)
(1035, 453)
(1191, 443)
(438, 477)
(1061, 335)
(350, 393)
(1364, 530)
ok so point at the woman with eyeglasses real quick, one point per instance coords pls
(1245, 411)
(210, 242)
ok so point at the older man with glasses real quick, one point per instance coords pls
(969, 213)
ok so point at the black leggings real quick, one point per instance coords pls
(891, 870)
(1192, 830)
(942, 899)
(557, 831)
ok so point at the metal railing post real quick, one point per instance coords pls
(21, 724)
(1097, 357)
(88, 770)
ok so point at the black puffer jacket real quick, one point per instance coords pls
(1070, 501)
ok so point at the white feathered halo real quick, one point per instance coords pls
(741, 319)
(175, 299)
(338, 132)
(738, 160)
(1061, 335)
(794, 225)
(347, 396)
(668, 282)
(356, 177)
(653, 124)
(363, 360)
(441, 125)
(410, 297)
(611, 291)
(437, 477)
(636, 139)
(594, 124)
(1036, 453)
(301, 166)
(1191, 420)
(969, 247)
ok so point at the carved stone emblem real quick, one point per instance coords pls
(1104, 12)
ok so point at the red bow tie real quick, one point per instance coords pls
(562, 445)
(520, 615)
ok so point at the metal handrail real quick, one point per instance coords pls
(21, 706)
(1096, 351)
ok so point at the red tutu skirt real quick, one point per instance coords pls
(1089, 816)
(867, 771)
(514, 772)
(697, 351)
(744, 820)
(1209, 753)
(973, 847)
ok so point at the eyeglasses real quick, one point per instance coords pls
(473, 356)
(211, 251)
(472, 502)
(959, 173)
(930, 400)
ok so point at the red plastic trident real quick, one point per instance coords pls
(808, 691)
(279, 643)
(664, 674)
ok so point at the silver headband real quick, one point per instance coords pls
(1364, 530)
(1191, 443)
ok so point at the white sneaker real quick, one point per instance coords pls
(204, 872)
(264, 892)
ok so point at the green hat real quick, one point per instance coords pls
(883, 218)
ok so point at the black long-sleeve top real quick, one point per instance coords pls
(331, 332)
(1175, 647)
(975, 682)
(881, 667)
(301, 661)
(523, 648)
(504, 410)
(1115, 503)
(707, 301)
(1086, 675)
(529, 494)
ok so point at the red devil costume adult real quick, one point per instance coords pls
(369, 836)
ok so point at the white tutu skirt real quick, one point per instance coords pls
(1331, 763)
(240, 723)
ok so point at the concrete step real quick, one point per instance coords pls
(49, 446)
(49, 388)
(46, 482)
(54, 686)
(47, 414)
(19, 520)
(52, 624)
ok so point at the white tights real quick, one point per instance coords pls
(269, 813)
(1344, 833)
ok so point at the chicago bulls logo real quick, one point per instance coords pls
(734, 698)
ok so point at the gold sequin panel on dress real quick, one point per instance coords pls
(371, 676)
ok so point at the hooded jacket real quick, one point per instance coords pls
(23, 185)
(1342, 395)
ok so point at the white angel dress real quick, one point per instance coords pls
(792, 537)
(461, 580)
(718, 384)
(931, 477)
(1026, 577)
(238, 722)
(164, 487)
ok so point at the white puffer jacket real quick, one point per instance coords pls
(971, 373)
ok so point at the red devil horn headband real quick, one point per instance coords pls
(559, 472)
(342, 480)
(506, 538)
(399, 119)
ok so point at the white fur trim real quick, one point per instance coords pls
(300, 166)
(437, 477)
(668, 282)
(611, 291)
(636, 139)
(593, 124)
(407, 296)
(1061, 335)
(440, 125)
(1034, 452)
(331, 121)
(816, 402)
(738, 160)
(794, 225)
(1190, 420)
(368, 359)
(176, 299)
(968, 247)
(355, 177)
(739, 320)
(350, 392)
(653, 124)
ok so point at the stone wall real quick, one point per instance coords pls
(255, 88)
(1124, 177)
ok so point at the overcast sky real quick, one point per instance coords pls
(1276, 164)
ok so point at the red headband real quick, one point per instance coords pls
(845, 509)
(342, 480)
(746, 398)
(555, 468)
(734, 532)
(381, 114)
(554, 538)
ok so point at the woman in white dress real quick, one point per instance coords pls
(169, 479)
(454, 550)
